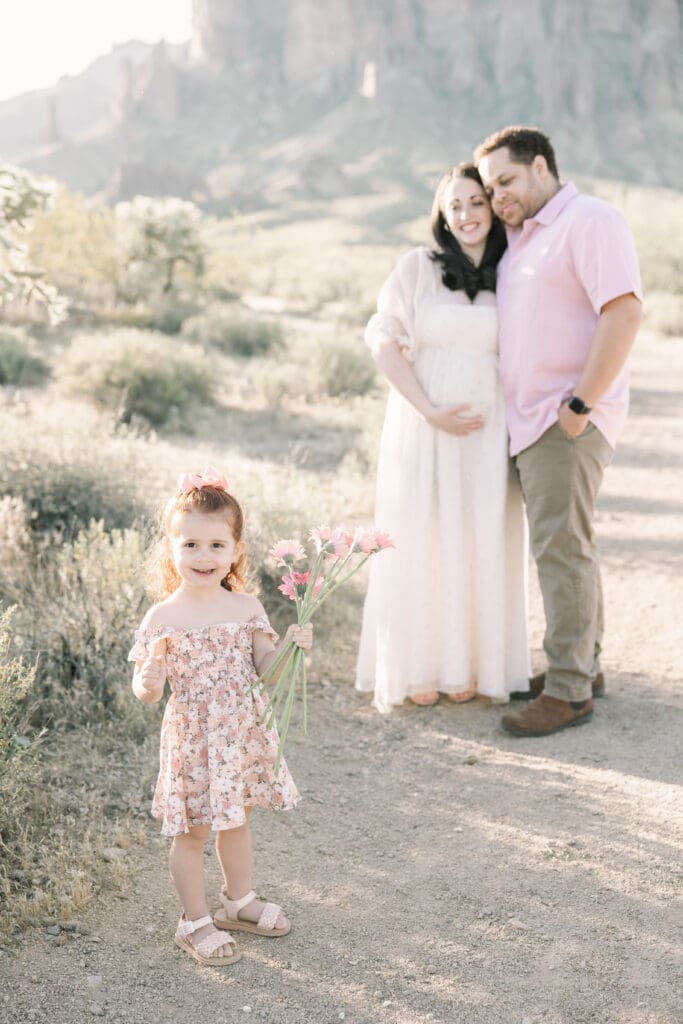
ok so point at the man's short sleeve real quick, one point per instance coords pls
(604, 255)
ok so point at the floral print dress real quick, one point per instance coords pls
(216, 757)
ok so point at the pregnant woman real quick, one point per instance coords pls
(445, 612)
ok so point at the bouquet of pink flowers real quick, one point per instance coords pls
(339, 555)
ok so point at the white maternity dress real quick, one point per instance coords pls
(447, 608)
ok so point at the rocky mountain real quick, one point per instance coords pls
(275, 99)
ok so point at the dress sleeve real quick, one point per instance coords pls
(395, 316)
(145, 640)
(261, 622)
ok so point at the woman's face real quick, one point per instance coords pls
(467, 212)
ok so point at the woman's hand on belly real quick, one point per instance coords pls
(454, 420)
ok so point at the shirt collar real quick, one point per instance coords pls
(552, 209)
(546, 215)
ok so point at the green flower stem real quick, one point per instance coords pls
(287, 714)
(267, 676)
(303, 696)
(275, 697)
(317, 566)
(273, 706)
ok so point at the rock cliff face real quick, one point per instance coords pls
(276, 98)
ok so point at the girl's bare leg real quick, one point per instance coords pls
(234, 851)
(186, 863)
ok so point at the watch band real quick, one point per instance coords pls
(578, 406)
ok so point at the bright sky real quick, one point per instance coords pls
(40, 40)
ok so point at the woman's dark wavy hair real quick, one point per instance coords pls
(458, 272)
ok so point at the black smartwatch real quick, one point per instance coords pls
(578, 406)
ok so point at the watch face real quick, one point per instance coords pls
(577, 405)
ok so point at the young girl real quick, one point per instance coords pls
(211, 641)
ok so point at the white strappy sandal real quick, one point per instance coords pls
(205, 949)
(228, 917)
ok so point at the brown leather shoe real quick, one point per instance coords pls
(546, 715)
(537, 683)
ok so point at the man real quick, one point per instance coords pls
(569, 300)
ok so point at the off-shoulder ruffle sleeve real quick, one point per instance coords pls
(261, 622)
(396, 303)
(145, 640)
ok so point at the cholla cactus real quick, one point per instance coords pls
(154, 238)
(21, 197)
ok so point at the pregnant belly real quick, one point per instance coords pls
(461, 381)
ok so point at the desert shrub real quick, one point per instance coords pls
(78, 605)
(278, 382)
(664, 313)
(17, 545)
(344, 370)
(73, 240)
(234, 333)
(16, 680)
(17, 746)
(169, 315)
(63, 486)
(20, 363)
(138, 374)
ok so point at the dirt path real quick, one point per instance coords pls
(438, 869)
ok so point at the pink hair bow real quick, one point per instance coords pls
(195, 481)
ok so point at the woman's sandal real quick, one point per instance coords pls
(229, 917)
(205, 949)
(464, 697)
(425, 700)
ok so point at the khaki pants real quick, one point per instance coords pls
(560, 479)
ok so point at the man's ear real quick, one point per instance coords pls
(540, 165)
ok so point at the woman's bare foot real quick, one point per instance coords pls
(464, 696)
(426, 699)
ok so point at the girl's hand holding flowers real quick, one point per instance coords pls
(302, 636)
(339, 555)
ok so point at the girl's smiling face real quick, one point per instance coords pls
(202, 547)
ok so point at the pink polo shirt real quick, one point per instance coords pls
(559, 270)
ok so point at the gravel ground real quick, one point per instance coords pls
(439, 869)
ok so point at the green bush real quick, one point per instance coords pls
(62, 487)
(233, 332)
(20, 364)
(170, 315)
(16, 681)
(344, 370)
(138, 374)
(17, 748)
(78, 605)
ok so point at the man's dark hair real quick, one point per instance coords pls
(524, 144)
(458, 272)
